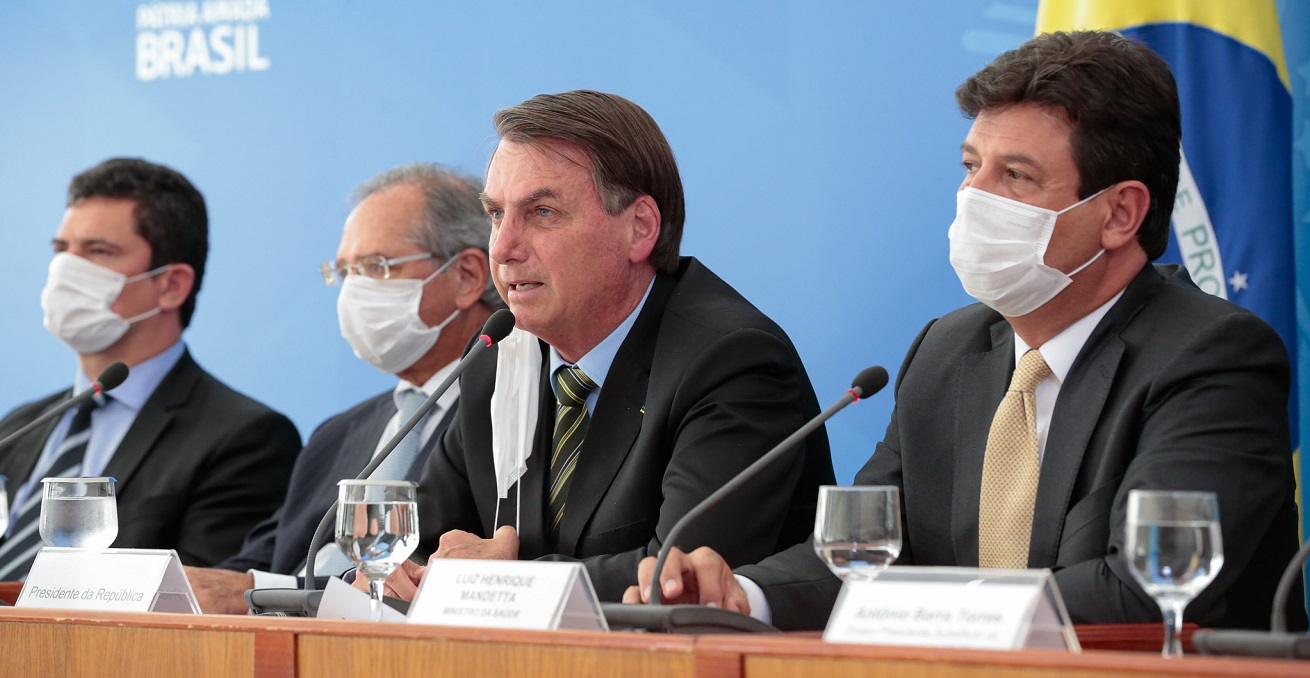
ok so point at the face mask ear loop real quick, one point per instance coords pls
(440, 269)
(1083, 201)
(147, 274)
(1091, 261)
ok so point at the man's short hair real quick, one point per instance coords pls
(629, 155)
(169, 213)
(1121, 100)
(453, 218)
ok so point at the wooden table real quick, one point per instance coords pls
(37, 643)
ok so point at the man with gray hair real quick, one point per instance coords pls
(415, 285)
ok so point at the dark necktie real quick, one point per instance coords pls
(18, 552)
(572, 386)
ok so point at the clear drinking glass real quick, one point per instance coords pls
(857, 530)
(1174, 549)
(80, 513)
(4, 507)
(377, 529)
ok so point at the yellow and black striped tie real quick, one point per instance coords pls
(572, 386)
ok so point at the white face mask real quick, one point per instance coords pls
(380, 320)
(998, 246)
(76, 301)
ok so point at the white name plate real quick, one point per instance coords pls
(507, 594)
(121, 580)
(953, 607)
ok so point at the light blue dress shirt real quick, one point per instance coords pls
(109, 423)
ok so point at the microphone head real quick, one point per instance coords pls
(870, 381)
(499, 325)
(112, 376)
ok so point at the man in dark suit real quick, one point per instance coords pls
(663, 380)
(197, 463)
(416, 240)
(1138, 379)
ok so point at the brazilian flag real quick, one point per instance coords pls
(1233, 219)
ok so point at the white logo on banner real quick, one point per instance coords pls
(214, 37)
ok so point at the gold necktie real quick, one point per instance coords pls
(1010, 471)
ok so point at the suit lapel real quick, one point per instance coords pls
(983, 380)
(617, 418)
(1077, 411)
(21, 455)
(155, 417)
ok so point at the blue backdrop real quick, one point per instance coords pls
(818, 141)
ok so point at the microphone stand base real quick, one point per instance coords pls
(1252, 644)
(692, 619)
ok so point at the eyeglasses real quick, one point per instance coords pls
(375, 266)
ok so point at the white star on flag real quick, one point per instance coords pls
(1238, 281)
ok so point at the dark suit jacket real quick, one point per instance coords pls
(1174, 389)
(199, 466)
(339, 448)
(703, 385)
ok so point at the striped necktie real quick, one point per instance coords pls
(572, 386)
(1010, 470)
(18, 552)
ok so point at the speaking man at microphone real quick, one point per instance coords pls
(197, 463)
(636, 382)
(414, 287)
(1022, 422)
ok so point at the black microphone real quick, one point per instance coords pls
(497, 327)
(1276, 642)
(697, 618)
(110, 378)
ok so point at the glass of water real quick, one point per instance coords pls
(4, 507)
(80, 513)
(857, 530)
(1174, 550)
(377, 529)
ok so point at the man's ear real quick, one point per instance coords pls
(1129, 203)
(645, 228)
(473, 268)
(176, 284)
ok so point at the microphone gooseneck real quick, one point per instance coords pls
(110, 378)
(866, 383)
(496, 328)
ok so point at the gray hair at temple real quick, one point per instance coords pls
(453, 218)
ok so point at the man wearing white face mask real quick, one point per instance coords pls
(415, 286)
(1022, 422)
(197, 463)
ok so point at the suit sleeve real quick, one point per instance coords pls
(799, 587)
(1213, 419)
(445, 495)
(741, 396)
(243, 483)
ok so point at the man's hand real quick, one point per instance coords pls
(701, 577)
(220, 591)
(504, 545)
(403, 582)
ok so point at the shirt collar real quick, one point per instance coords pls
(142, 379)
(596, 363)
(444, 402)
(1060, 351)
